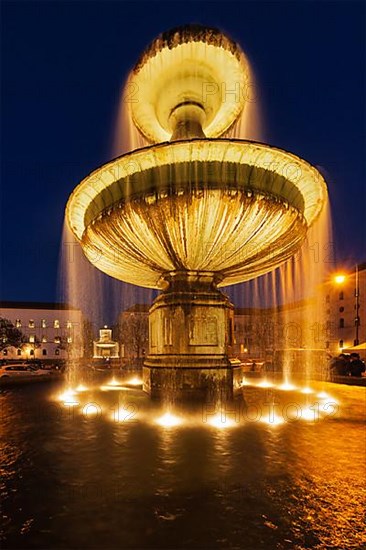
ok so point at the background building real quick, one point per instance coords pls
(345, 308)
(259, 332)
(48, 330)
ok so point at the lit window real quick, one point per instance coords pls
(43, 323)
(31, 323)
(57, 340)
(44, 339)
(69, 340)
(56, 323)
(69, 324)
(341, 295)
(5, 352)
(341, 322)
(31, 339)
(57, 351)
(18, 323)
(44, 352)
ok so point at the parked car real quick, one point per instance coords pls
(21, 372)
(37, 364)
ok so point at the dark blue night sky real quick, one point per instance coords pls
(63, 65)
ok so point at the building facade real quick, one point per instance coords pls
(344, 302)
(48, 330)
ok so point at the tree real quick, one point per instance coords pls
(134, 334)
(9, 334)
(88, 338)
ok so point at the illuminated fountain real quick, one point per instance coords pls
(194, 211)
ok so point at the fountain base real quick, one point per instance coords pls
(191, 384)
(191, 334)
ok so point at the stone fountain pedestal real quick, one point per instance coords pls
(190, 339)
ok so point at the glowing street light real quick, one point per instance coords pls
(339, 279)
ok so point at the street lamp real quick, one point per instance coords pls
(339, 279)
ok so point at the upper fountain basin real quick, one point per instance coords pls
(191, 67)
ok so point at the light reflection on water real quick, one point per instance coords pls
(73, 479)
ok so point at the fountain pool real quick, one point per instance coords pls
(114, 470)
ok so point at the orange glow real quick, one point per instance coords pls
(135, 381)
(68, 397)
(309, 414)
(323, 395)
(169, 420)
(339, 279)
(81, 388)
(272, 420)
(113, 382)
(112, 385)
(286, 386)
(221, 421)
(265, 384)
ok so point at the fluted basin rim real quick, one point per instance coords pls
(297, 171)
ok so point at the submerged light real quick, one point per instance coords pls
(221, 421)
(169, 420)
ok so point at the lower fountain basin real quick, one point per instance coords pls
(231, 206)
